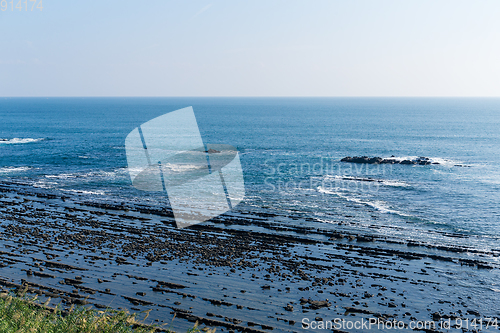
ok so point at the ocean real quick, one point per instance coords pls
(422, 238)
(290, 152)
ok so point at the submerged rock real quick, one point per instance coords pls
(319, 304)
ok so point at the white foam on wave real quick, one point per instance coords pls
(19, 141)
(44, 184)
(386, 182)
(377, 204)
(91, 174)
(441, 161)
(13, 169)
(102, 174)
(61, 176)
(127, 170)
(85, 192)
(394, 183)
(180, 167)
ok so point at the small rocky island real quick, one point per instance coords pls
(391, 160)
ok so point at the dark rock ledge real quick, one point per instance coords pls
(391, 160)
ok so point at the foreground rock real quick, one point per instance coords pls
(242, 280)
(380, 160)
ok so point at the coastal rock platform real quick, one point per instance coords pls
(244, 272)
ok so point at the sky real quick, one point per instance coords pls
(250, 48)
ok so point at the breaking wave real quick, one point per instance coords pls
(377, 204)
(386, 182)
(433, 160)
(19, 141)
(13, 169)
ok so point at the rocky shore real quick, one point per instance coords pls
(243, 273)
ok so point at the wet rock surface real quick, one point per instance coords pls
(270, 278)
(391, 160)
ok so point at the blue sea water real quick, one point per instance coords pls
(290, 151)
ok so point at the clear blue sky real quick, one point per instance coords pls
(251, 48)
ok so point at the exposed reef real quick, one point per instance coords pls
(391, 160)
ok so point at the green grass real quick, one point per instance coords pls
(20, 314)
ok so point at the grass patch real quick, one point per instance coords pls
(20, 313)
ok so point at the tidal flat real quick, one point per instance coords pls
(245, 272)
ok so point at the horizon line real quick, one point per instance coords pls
(139, 96)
